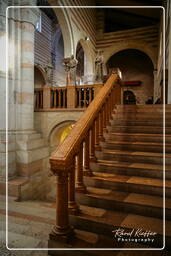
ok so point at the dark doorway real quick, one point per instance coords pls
(129, 98)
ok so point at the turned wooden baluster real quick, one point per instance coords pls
(104, 116)
(85, 98)
(97, 124)
(62, 230)
(73, 207)
(92, 144)
(79, 98)
(101, 138)
(108, 111)
(64, 98)
(55, 98)
(111, 104)
(87, 170)
(80, 187)
(59, 98)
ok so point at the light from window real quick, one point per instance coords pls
(39, 25)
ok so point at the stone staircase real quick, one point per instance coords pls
(126, 190)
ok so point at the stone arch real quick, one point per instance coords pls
(57, 135)
(40, 77)
(141, 46)
(65, 26)
(88, 59)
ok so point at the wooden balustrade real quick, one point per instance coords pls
(38, 98)
(58, 97)
(82, 141)
(84, 94)
(50, 98)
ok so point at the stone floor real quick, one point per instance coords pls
(29, 223)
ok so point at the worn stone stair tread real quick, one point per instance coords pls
(125, 197)
(138, 134)
(136, 153)
(137, 126)
(18, 181)
(133, 165)
(131, 179)
(108, 141)
(123, 220)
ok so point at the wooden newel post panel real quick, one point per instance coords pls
(71, 96)
(61, 231)
(46, 97)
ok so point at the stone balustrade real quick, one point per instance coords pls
(71, 160)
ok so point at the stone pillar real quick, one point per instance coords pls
(169, 62)
(21, 67)
(28, 155)
(3, 6)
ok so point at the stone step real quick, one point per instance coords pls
(143, 204)
(29, 136)
(28, 156)
(147, 115)
(151, 107)
(138, 146)
(137, 137)
(133, 157)
(14, 186)
(105, 222)
(134, 169)
(132, 184)
(127, 122)
(139, 129)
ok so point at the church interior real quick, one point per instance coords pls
(85, 131)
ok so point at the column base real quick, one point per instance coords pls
(88, 172)
(97, 148)
(81, 188)
(93, 159)
(73, 208)
(63, 236)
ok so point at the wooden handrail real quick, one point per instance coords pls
(67, 160)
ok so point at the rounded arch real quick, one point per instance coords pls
(88, 59)
(129, 97)
(59, 132)
(40, 77)
(64, 22)
(136, 45)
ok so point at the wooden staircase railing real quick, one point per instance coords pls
(67, 161)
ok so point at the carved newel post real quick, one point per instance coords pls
(62, 230)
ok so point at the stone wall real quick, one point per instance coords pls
(45, 122)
